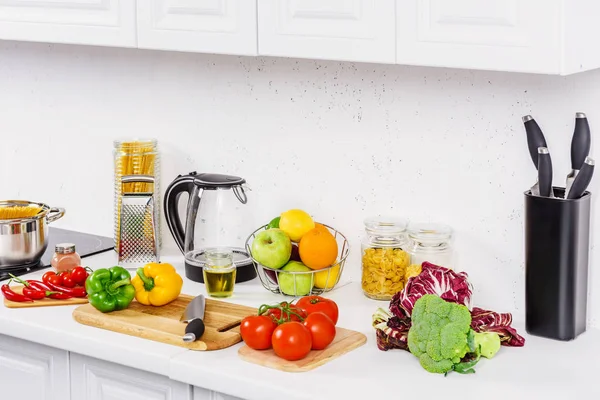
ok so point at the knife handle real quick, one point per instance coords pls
(544, 171)
(581, 141)
(535, 138)
(194, 330)
(582, 180)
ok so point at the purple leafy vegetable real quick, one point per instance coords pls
(392, 326)
(449, 285)
(391, 331)
(490, 321)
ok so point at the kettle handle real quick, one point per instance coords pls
(171, 207)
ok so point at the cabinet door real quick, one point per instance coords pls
(352, 30)
(507, 35)
(204, 26)
(93, 379)
(204, 394)
(31, 371)
(93, 22)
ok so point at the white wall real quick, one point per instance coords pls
(341, 140)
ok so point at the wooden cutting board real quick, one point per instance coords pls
(42, 303)
(345, 341)
(161, 324)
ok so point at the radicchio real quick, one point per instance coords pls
(490, 321)
(392, 326)
(449, 285)
(391, 331)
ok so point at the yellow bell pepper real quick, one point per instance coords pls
(157, 284)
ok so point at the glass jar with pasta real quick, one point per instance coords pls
(385, 261)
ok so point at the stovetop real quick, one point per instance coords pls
(85, 244)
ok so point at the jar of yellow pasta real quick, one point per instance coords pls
(385, 261)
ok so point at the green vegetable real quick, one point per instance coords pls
(110, 289)
(442, 338)
(489, 343)
(274, 223)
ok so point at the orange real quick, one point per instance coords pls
(318, 248)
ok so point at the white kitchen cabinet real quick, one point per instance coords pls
(204, 26)
(536, 36)
(203, 394)
(31, 371)
(352, 30)
(91, 22)
(93, 379)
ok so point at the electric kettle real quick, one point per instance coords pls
(214, 217)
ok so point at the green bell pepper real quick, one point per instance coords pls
(110, 289)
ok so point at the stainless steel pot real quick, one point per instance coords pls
(24, 240)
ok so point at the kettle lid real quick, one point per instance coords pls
(210, 180)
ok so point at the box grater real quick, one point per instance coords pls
(138, 242)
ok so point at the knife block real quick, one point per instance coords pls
(557, 243)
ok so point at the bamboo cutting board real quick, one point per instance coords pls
(43, 302)
(161, 324)
(345, 341)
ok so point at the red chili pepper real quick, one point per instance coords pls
(37, 285)
(12, 296)
(78, 291)
(34, 294)
(59, 296)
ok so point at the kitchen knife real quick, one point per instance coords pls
(535, 140)
(544, 172)
(582, 180)
(193, 316)
(580, 147)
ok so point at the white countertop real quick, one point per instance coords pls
(543, 368)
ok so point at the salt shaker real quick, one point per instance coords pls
(65, 257)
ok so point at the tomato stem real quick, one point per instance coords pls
(285, 310)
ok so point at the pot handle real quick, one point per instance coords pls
(55, 213)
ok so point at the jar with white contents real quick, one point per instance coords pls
(431, 243)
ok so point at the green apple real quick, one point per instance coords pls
(272, 248)
(303, 282)
(274, 223)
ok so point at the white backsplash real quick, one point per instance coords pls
(343, 141)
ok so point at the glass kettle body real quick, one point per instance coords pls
(214, 215)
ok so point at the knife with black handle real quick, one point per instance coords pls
(582, 180)
(535, 140)
(580, 147)
(544, 172)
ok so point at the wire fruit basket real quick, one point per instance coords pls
(301, 283)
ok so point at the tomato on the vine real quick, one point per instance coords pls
(67, 280)
(292, 341)
(322, 330)
(276, 313)
(79, 275)
(311, 304)
(257, 330)
(51, 277)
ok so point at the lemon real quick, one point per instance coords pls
(296, 223)
(323, 281)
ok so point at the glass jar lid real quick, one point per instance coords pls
(430, 234)
(385, 226)
(64, 248)
(386, 231)
(201, 257)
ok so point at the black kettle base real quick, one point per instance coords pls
(244, 273)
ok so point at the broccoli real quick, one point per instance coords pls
(442, 338)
